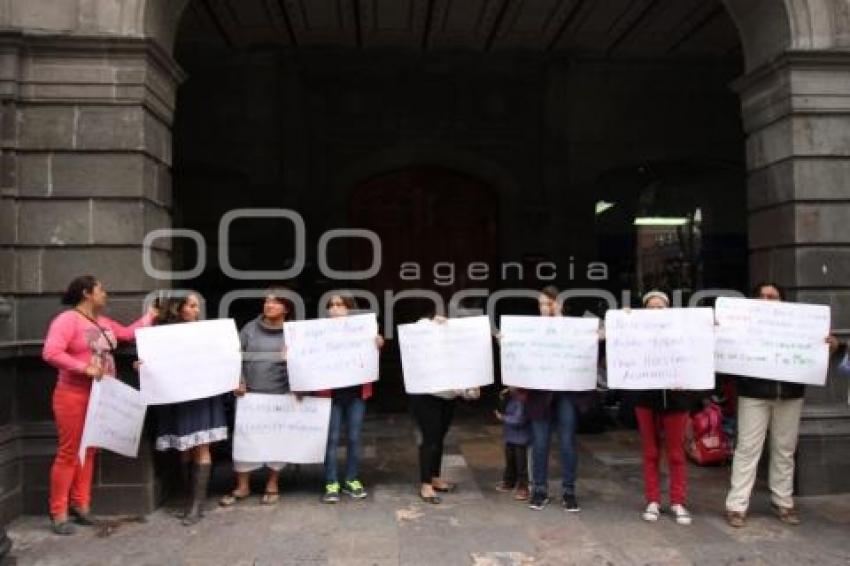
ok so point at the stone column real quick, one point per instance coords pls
(796, 113)
(85, 157)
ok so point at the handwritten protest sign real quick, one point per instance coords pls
(553, 353)
(773, 340)
(329, 353)
(192, 360)
(660, 348)
(457, 354)
(278, 428)
(114, 419)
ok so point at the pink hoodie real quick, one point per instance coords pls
(73, 341)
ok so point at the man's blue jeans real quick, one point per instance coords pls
(351, 413)
(563, 416)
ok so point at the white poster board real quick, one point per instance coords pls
(773, 340)
(186, 361)
(279, 428)
(114, 419)
(456, 354)
(328, 353)
(660, 348)
(556, 353)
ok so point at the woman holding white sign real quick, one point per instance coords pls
(767, 404)
(544, 409)
(349, 405)
(433, 414)
(657, 411)
(263, 371)
(80, 344)
(191, 426)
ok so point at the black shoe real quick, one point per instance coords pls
(538, 501)
(432, 499)
(84, 519)
(571, 503)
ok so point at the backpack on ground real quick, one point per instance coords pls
(705, 441)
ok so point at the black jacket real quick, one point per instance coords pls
(757, 388)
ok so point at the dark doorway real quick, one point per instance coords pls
(433, 222)
(461, 132)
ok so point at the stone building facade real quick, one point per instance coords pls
(89, 91)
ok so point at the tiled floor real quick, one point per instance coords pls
(476, 525)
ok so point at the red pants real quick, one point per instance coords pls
(68, 479)
(650, 425)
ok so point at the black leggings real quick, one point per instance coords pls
(433, 416)
(516, 465)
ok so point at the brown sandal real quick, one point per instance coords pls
(270, 498)
(787, 515)
(735, 519)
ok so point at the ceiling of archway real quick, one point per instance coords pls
(678, 29)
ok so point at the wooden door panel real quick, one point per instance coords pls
(425, 215)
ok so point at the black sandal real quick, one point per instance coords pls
(432, 499)
(448, 488)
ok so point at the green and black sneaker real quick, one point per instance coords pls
(354, 489)
(331, 493)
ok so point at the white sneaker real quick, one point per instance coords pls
(682, 515)
(651, 512)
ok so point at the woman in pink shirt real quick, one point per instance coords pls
(80, 344)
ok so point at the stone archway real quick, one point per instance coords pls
(89, 85)
(764, 27)
(794, 101)
(767, 27)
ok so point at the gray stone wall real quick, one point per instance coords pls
(11, 479)
(85, 169)
(796, 114)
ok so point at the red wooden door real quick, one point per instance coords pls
(427, 215)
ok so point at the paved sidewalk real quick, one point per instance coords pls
(476, 525)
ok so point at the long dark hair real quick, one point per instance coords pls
(347, 299)
(762, 284)
(77, 288)
(169, 308)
